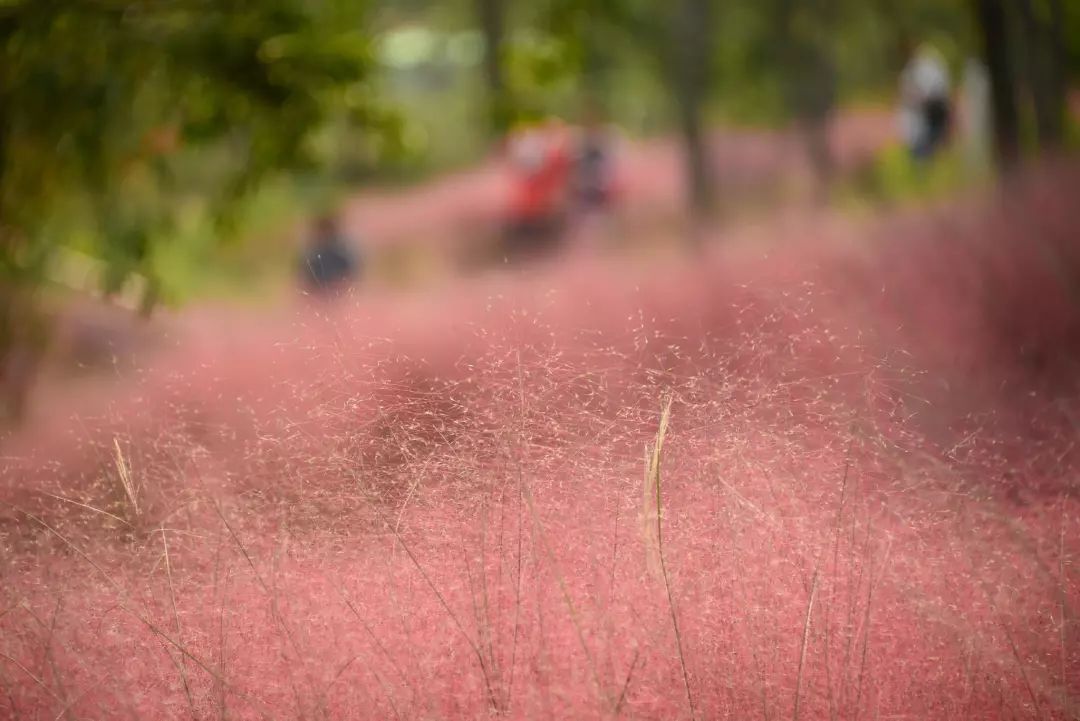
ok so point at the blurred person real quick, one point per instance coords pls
(925, 105)
(811, 80)
(594, 179)
(329, 263)
(595, 155)
(539, 165)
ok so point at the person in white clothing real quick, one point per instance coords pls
(925, 103)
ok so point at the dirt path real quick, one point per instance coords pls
(448, 212)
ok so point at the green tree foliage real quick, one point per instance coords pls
(119, 111)
(105, 101)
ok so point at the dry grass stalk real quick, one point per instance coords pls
(122, 598)
(872, 582)
(650, 519)
(1063, 615)
(654, 539)
(492, 698)
(575, 617)
(275, 607)
(178, 660)
(804, 645)
(1020, 665)
(123, 472)
(50, 656)
(87, 507)
(626, 684)
(32, 676)
(380, 646)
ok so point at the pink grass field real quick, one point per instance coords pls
(435, 506)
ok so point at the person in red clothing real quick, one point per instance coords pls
(540, 164)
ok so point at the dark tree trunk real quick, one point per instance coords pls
(900, 37)
(810, 86)
(1045, 45)
(22, 342)
(993, 23)
(692, 58)
(491, 15)
(22, 328)
(151, 296)
(594, 62)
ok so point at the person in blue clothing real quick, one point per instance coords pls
(595, 172)
(329, 264)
